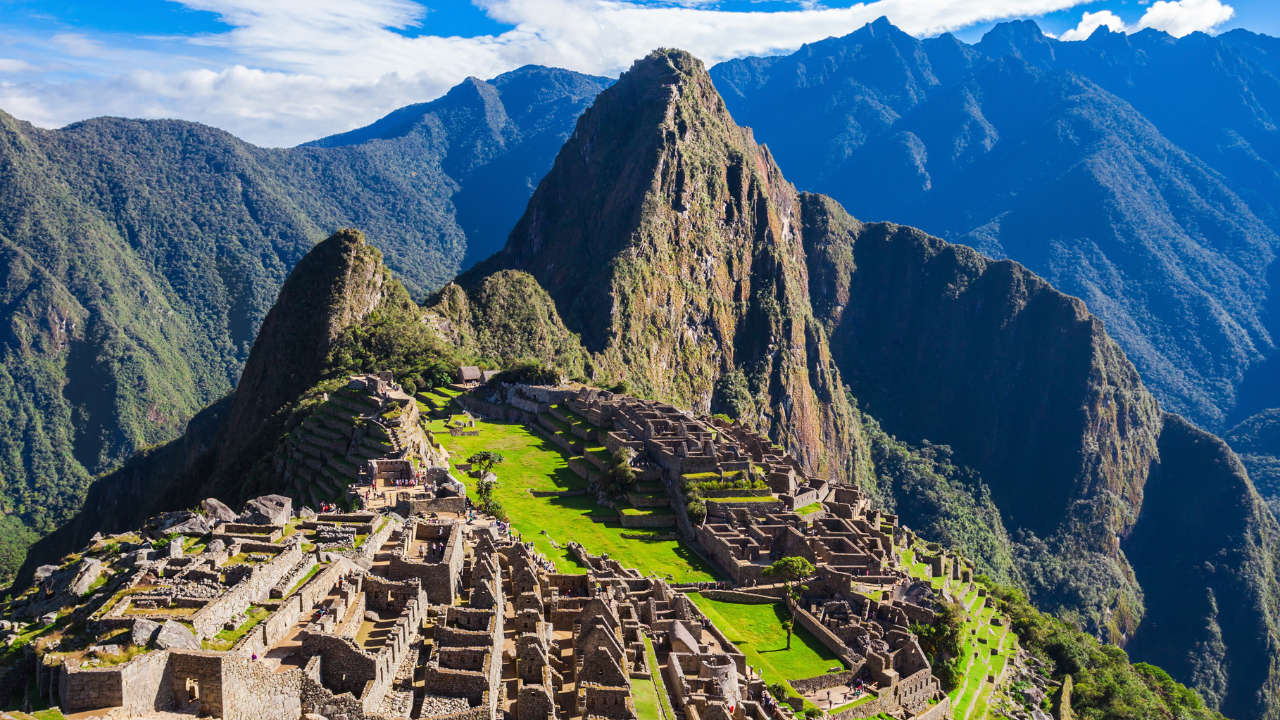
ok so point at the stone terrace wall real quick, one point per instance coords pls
(92, 688)
(253, 692)
(291, 610)
(210, 619)
(363, 555)
(722, 507)
(741, 598)
(870, 708)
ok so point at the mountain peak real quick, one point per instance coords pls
(669, 241)
(1022, 38)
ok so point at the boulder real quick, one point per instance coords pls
(180, 521)
(195, 525)
(215, 546)
(44, 571)
(87, 574)
(174, 548)
(144, 631)
(306, 513)
(371, 616)
(217, 511)
(175, 635)
(49, 618)
(267, 510)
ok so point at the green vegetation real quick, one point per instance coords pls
(156, 307)
(659, 681)
(534, 463)
(790, 570)
(1105, 684)
(811, 508)
(485, 460)
(310, 574)
(940, 500)
(645, 696)
(758, 632)
(227, 639)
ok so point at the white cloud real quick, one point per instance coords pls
(1177, 17)
(299, 69)
(1091, 21)
(1185, 16)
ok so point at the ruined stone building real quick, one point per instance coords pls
(367, 430)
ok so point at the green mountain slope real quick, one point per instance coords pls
(138, 258)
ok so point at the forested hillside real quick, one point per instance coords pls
(138, 259)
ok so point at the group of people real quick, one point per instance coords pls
(719, 585)
(327, 507)
(432, 550)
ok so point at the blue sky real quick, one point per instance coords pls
(279, 72)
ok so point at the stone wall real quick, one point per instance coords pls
(291, 578)
(91, 688)
(806, 686)
(828, 638)
(146, 684)
(756, 507)
(647, 521)
(199, 673)
(257, 587)
(363, 555)
(409, 506)
(760, 492)
(742, 598)
(252, 692)
(870, 708)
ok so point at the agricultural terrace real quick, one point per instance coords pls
(533, 463)
(757, 631)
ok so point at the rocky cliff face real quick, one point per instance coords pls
(670, 242)
(946, 345)
(1205, 552)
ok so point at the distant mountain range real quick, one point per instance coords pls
(1138, 172)
(138, 258)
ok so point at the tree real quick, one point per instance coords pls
(485, 460)
(790, 570)
(619, 474)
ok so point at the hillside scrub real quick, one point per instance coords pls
(1105, 685)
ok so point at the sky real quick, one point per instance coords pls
(281, 72)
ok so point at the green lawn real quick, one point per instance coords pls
(646, 700)
(535, 463)
(757, 631)
(813, 508)
(659, 681)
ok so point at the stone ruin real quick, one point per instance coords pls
(369, 421)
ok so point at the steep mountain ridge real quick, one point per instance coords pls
(1031, 148)
(138, 259)
(680, 264)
